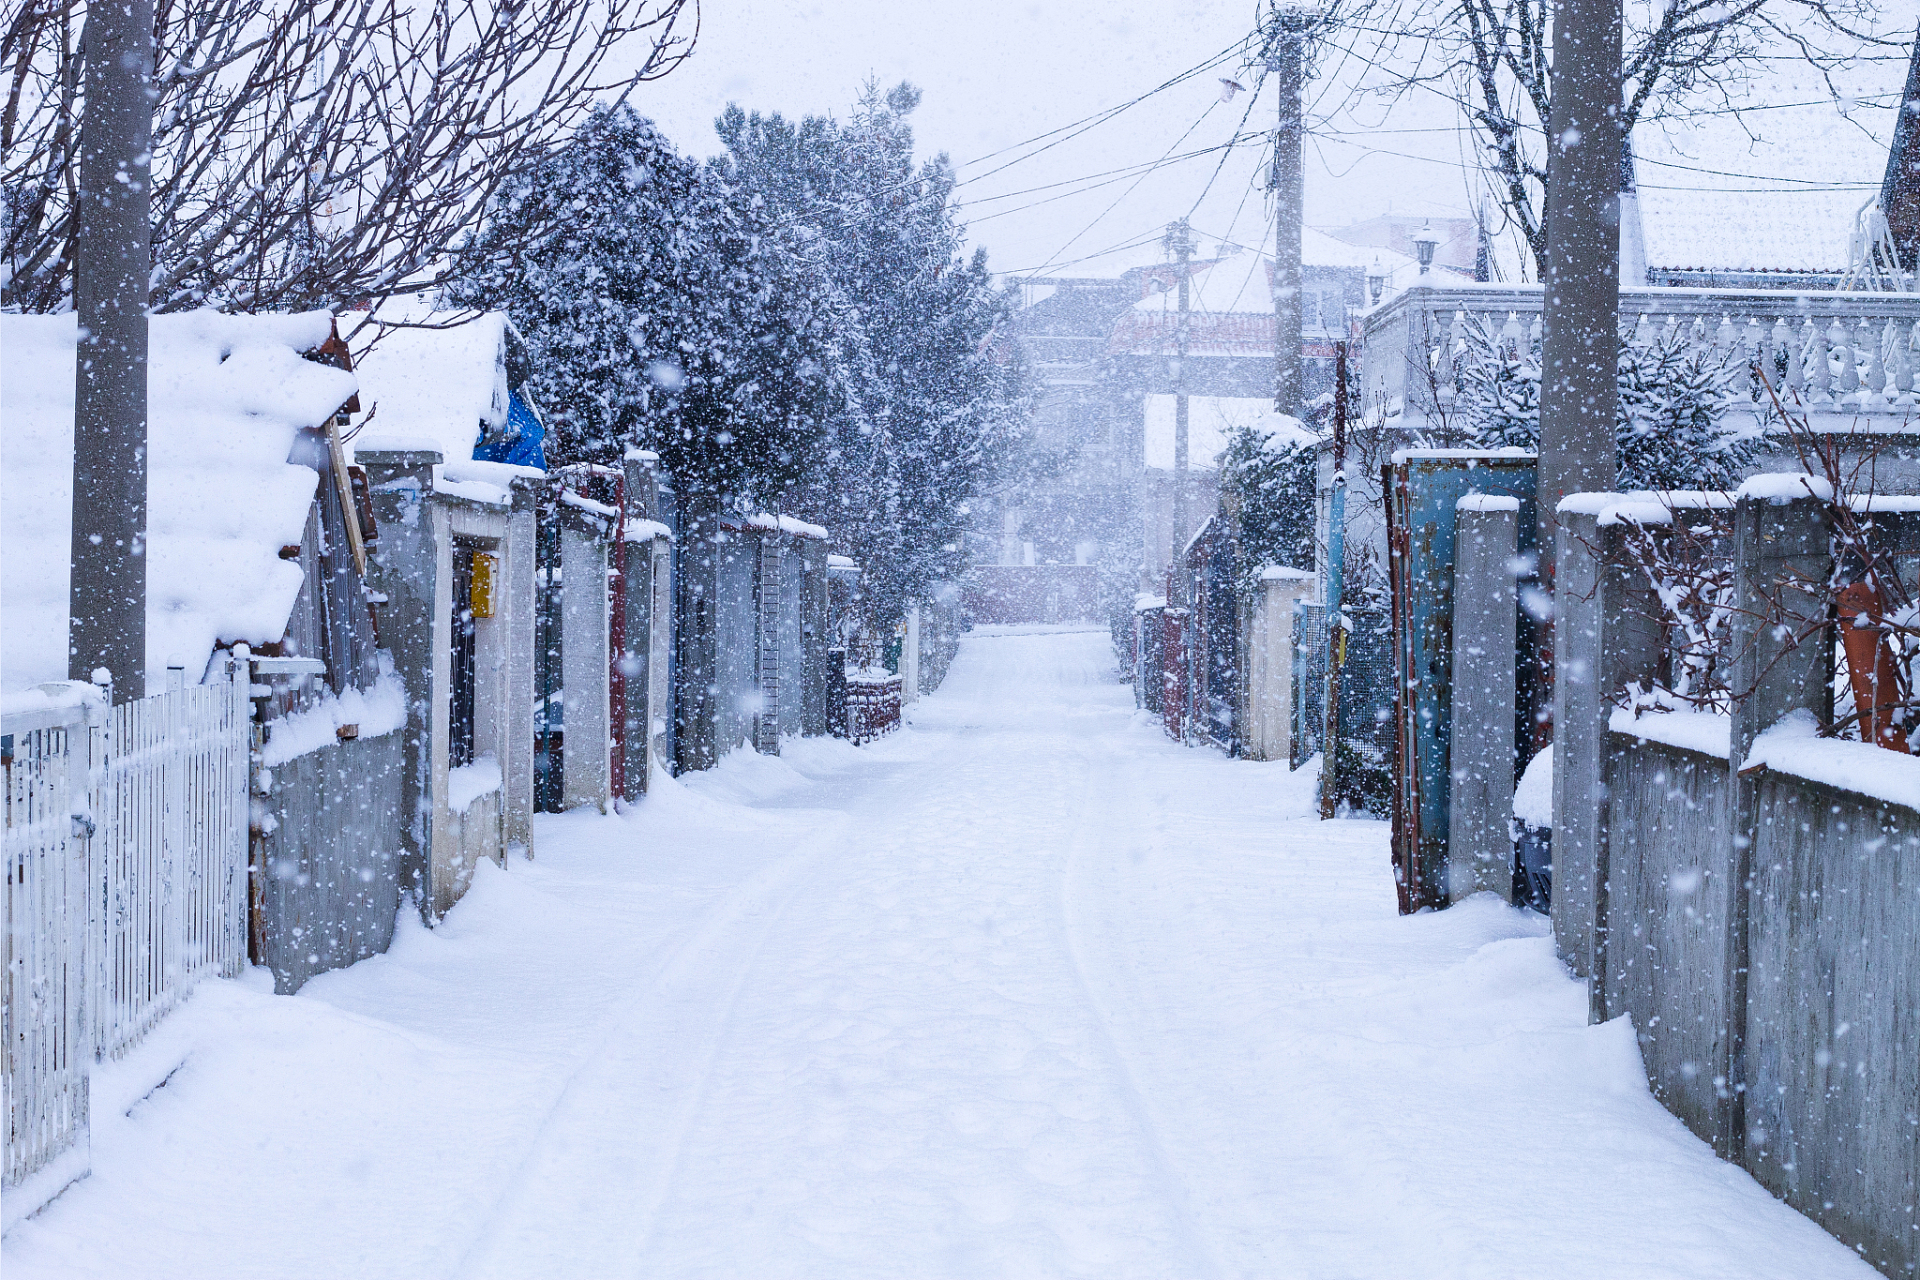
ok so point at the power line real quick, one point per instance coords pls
(1245, 116)
(1130, 190)
(1116, 174)
(1098, 118)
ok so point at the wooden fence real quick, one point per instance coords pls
(126, 847)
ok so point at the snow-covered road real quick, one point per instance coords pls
(1025, 990)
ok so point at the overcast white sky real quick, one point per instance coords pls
(998, 72)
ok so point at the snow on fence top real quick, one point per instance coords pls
(1795, 746)
(1707, 732)
(1404, 456)
(787, 524)
(1487, 503)
(637, 530)
(1784, 486)
(442, 390)
(226, 397)
(1643, 506)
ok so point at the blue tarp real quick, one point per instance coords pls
(523, 443)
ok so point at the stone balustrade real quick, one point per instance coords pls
(1848, 360)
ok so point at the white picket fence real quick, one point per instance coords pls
(126, 852)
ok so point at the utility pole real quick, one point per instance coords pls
(113, 250)
(1286, 64)
(1336, 566)
(1578, 393)
(1180, 241)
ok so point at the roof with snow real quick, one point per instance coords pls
(1210, 420)
(440, 382)
(1777, 186)
(227, 396)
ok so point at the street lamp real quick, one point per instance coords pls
(1425, 241)
(1376, 280)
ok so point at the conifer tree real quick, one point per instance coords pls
(665, 309)
(933, 402)
(1671, 432)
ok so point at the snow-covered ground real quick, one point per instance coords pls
(1025, 990)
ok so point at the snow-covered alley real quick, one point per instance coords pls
(1024, 990)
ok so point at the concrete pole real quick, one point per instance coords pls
(1286, 64)
(1480, 753)
(1180, 241)
(1578, 394)
(113, 252)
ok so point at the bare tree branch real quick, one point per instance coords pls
(313, 153)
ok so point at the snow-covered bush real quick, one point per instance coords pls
(1672, 429)
(1270, 475)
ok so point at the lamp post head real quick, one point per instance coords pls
(1425, 241)
(1376, 280)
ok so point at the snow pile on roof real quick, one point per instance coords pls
(435, 388)
(1769, 190)
(226, 396)
(1210, 420)
(442, 390)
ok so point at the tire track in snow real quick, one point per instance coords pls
(1137, 1104)
(519, 1212)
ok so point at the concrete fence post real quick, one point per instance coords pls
(516, 757)
(1270, 661)
(639, 701)
(910, 657)
(1485, 671)
(1605, 634)
(1782, 649)
(585, 666)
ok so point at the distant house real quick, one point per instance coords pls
(443, 411)
(1102, 352)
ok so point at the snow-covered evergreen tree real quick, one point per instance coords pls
(666, 309)
(1671, 430)
(1270, 475)
(933, 402)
